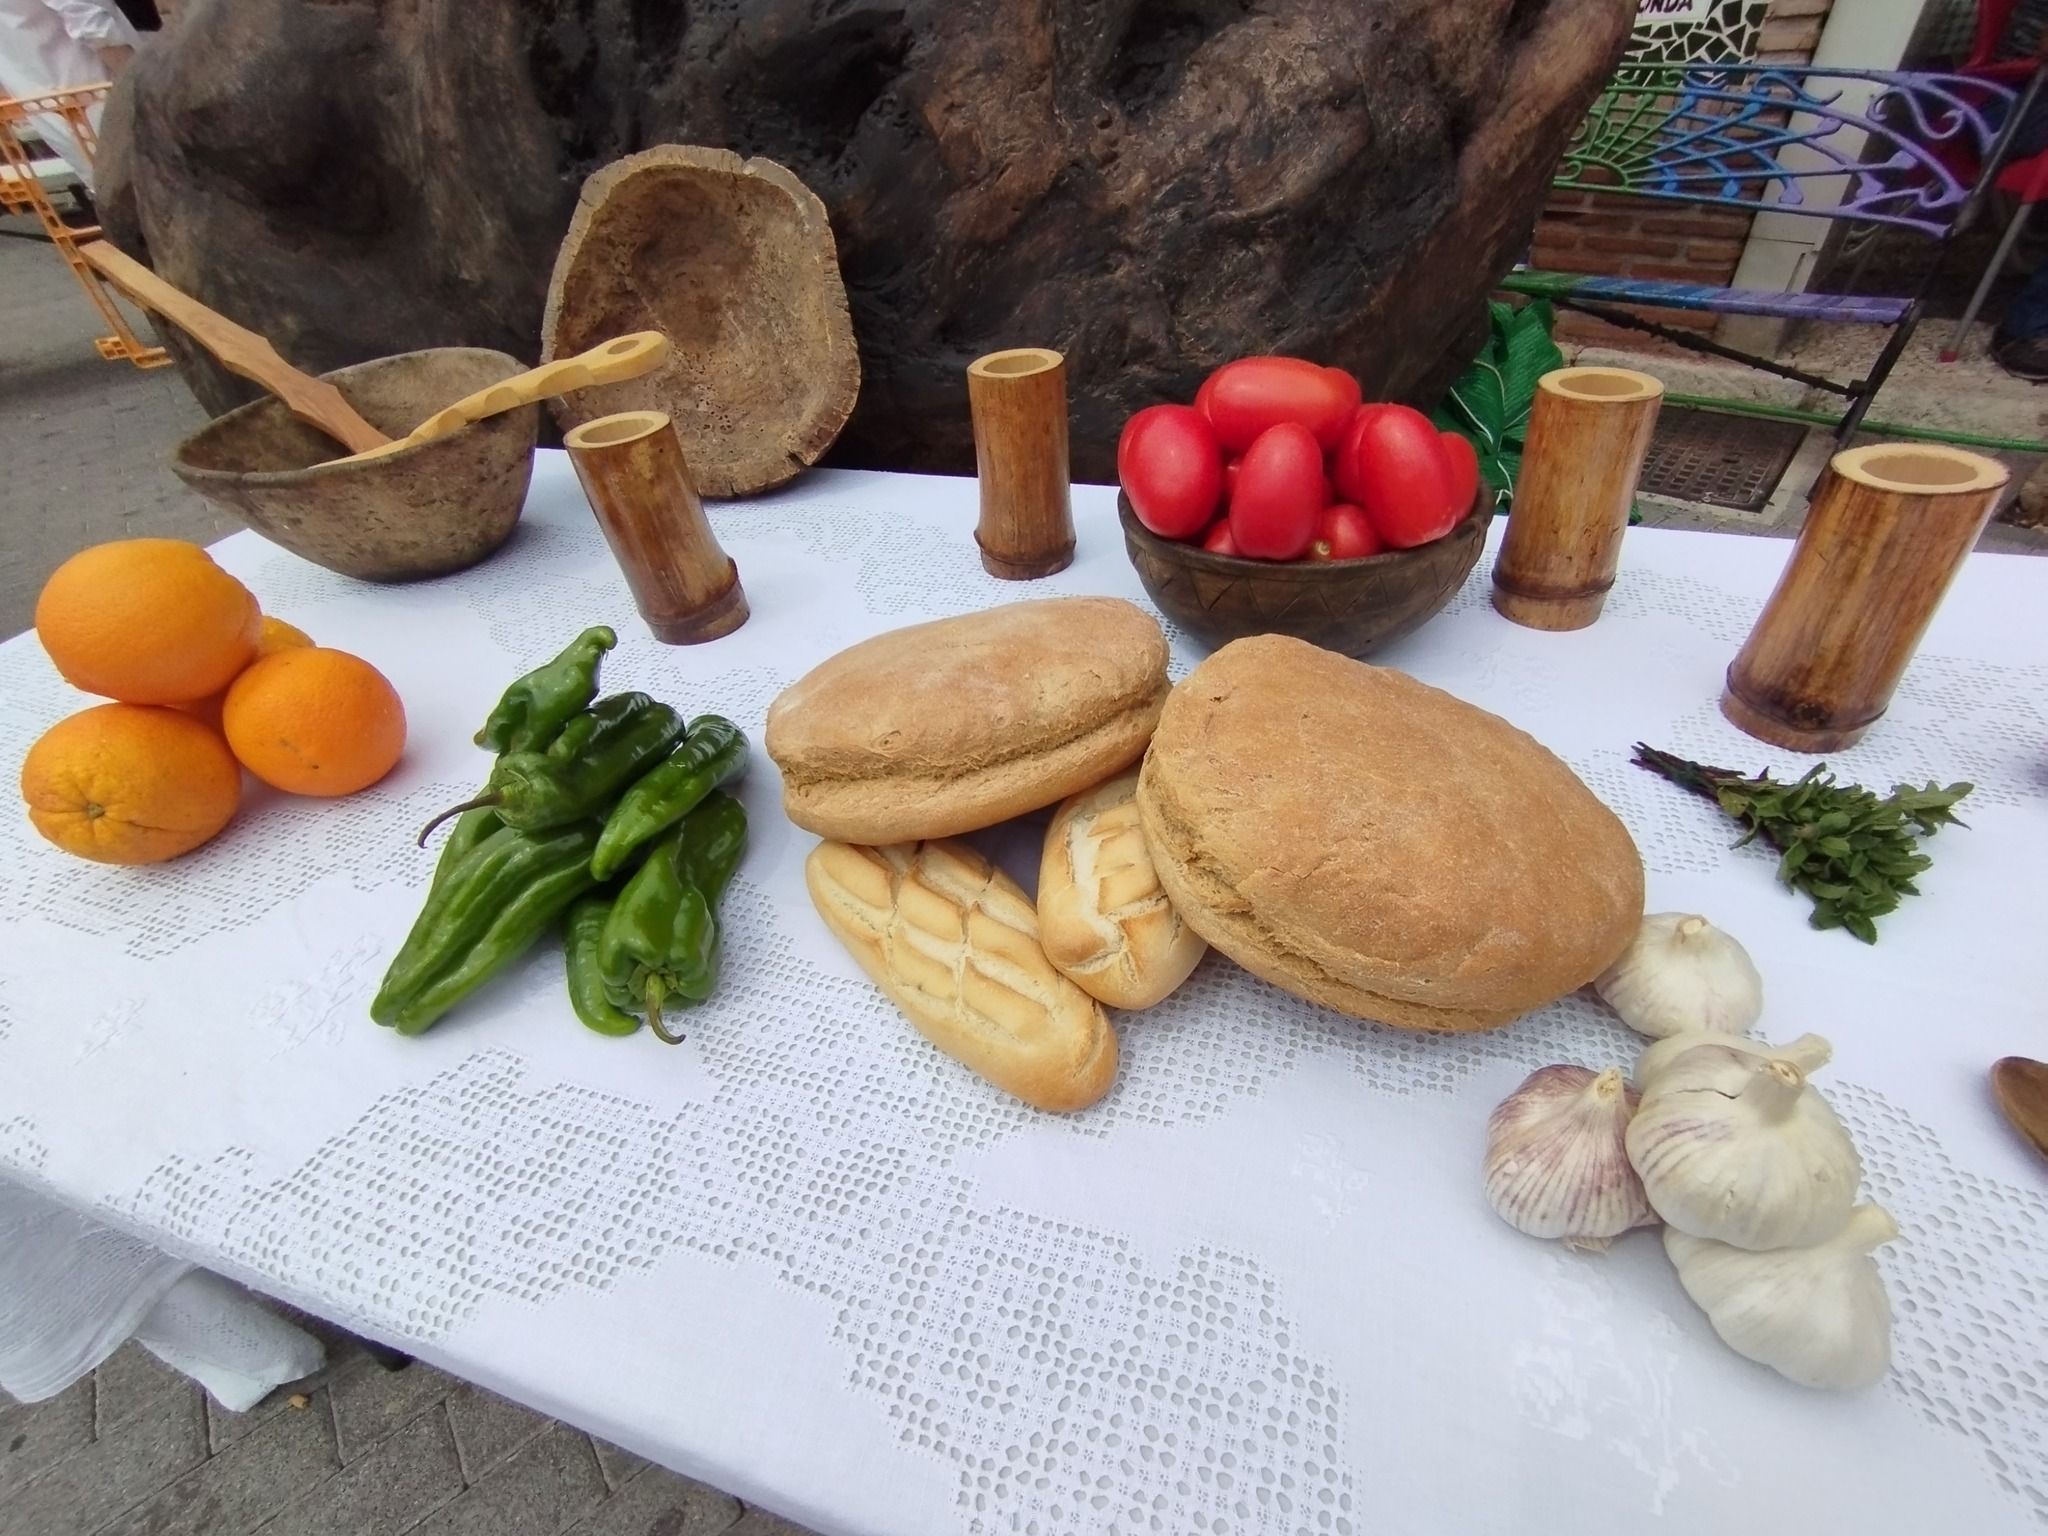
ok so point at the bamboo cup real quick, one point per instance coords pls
(1019, 402)
(1887, 530)
(632, 469)
(1588, 431)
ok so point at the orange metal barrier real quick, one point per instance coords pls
(21, 191)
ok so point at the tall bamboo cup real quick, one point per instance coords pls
(1887, 529)
(1589, 429)
(1019, 403)
(633, 471)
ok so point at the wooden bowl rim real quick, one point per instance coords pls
(289, 477)
(1313, 570)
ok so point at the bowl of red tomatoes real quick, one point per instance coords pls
(1280, 503)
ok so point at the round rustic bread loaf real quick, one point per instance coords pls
(1376, 845)
(947, 727)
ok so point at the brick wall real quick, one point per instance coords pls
(1632, 237)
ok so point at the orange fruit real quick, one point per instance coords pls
(276, 636)
(147, 621)
(313, 721)
(129, 784)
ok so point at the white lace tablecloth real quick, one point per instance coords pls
(1256, 1289)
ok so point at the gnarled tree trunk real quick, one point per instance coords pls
(1151, 186)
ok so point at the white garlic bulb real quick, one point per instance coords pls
(1683, 973)
(1736, 1147)
(1818, 1315)
(1555, 1162)
(1809, 1053)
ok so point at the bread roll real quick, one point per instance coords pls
(1102, 917)
(952, 726)
(1373, 844)
(953, 941)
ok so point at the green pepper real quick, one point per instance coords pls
(714, 752)
(661, 939)
(581, 930)
(535, 707)
(713, 844)
(501, 897)
(470, 828)
(533, 791)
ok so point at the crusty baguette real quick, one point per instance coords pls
(948, 727)
(1102, 916)
(953, 941)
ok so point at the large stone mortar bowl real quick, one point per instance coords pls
(436, 507)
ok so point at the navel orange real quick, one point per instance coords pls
(276, 636)
(147, 621)
(313, 721)
(129, 784)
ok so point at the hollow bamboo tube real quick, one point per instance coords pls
(1888, 528)
(632, 469)
(1019, 403)
(1588, 431)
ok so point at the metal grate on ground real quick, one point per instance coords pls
(1719, 459)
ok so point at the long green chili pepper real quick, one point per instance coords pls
(488, 912)
(535, 707)
(533, 791)
(581, 930)
(661, 940)
(714, 842)
(470, 828)
(713, 753)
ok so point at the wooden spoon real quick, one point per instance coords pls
(2021, 1087)
(313, 401)
(625, 357)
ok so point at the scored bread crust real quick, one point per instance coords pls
(953, 942)
(942, 728)
(1103, 917)
(1378, 846)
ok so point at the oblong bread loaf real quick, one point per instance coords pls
(953, 941)
(1374, 844)
(948, 727)
(1103, 918)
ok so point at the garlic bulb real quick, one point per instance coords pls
(1735, 1147)
(1555, 1163)
(1809, 1053)
(1818, 1315)
(1682, 973)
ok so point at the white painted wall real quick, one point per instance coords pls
(1859, 34)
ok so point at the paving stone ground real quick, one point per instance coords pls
(134, 1449)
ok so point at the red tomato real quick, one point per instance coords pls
(1218, 540)
(1230, 469)
(1280, 494)
(1344, 533)
(1171, 469)
(1244, 398)
(1393, 463)
(1464, 460)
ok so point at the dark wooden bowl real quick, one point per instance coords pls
(1350, 606)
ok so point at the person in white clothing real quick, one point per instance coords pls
(53, 45)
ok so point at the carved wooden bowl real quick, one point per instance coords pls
(435, 507)
(733, 261)
(1350, 606)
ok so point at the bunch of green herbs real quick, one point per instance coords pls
(1854, 854)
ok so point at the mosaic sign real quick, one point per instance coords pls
(1696, 31)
